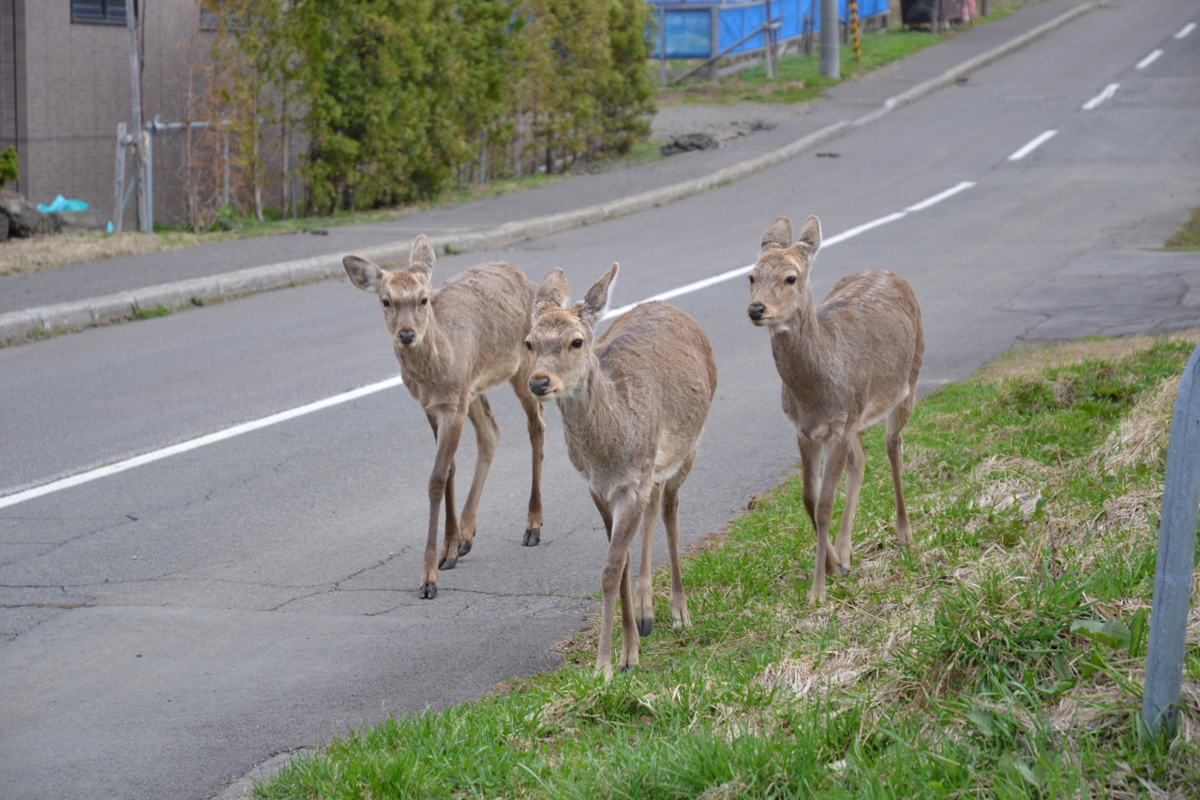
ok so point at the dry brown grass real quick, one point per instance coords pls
(1029, 359)
(18, 256)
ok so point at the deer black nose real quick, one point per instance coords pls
(756, 311)
(539, 385)
(406, 336)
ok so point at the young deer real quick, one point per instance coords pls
(849, 363)
(454, 343)
(633, 406)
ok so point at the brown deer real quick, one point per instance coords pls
(633, 406)
(454, 343)
(846, 364)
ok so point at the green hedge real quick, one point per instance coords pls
(402, 99)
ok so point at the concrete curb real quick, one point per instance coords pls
(22, 326)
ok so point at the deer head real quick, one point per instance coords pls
(404, 295)
(779, 281)
(561, 338)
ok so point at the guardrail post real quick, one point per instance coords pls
(1176, 559)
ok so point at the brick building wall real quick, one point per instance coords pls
(72, 87)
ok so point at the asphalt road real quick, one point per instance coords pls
(167, 627)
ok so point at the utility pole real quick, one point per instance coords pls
(830, 62)
(139, 130)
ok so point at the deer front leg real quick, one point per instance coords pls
(614, 578)
(537, 440)
(449, 430)
(810, 466)
(644, 597)
(856, 466)
(835, 464)
(487, 434)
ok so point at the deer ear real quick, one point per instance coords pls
(810, 235)
(777, 235)
(363, 273)
(596, 299)
(552, 292)
(422, 255)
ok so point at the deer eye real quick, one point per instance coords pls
(578, 343)
(529, 346)
(752, 279)
(424, 301)
(386, 303)
(791, 279)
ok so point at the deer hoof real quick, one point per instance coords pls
(629, 668)
(428, 590)
(532, 537)
(645, 626)
(448, 562)
(464, 547)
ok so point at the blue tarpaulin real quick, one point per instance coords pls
(688, 27)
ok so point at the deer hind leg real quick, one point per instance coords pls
(895, 453)
(679, 609)
(537, 439)
(856, 465)
(835, 463)
(644, 596)
(630, 643)
(487, 434)
(448, 430)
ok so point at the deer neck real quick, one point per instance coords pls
(803, 349)
(425, 363)
(592, 415)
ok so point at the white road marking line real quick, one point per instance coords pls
(192, 444)
(345, 397)
(1185, 30)
(937, 198)
(1108, 92)
(1035, 144)
(1148, 60)
(736, 273)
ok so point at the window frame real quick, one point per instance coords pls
(83, 12)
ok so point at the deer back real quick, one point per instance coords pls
(867, 346)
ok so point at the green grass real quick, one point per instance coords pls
(147, 313)
(799, 80)
(1188, 237)
(1001, 656)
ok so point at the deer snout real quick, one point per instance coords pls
(539, 385)
(756, 312)
(406, 336)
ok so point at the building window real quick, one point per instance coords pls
(104, 12)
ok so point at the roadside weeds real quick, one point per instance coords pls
(1002, 655)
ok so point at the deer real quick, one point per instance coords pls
(633, 402)
(847, 364)
(454, 344)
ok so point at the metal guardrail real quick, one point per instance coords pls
(1175, 566)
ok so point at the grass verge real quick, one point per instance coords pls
(799, 80)
(1188, 237)
(1002, 656)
